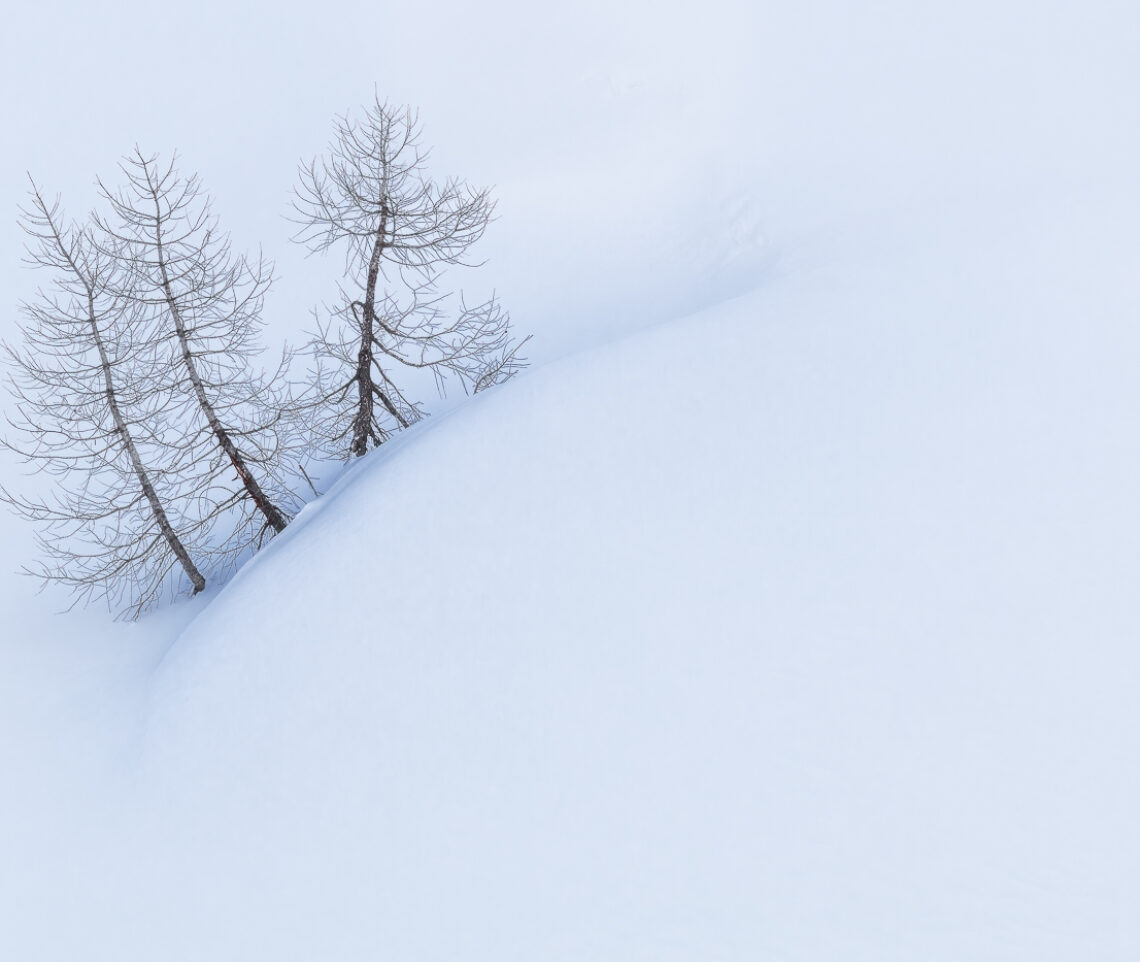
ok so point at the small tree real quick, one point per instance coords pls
(371, 195)
(91, 410)
(179, 269)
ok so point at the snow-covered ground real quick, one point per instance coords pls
(784, 610)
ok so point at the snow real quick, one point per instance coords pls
(784, 610)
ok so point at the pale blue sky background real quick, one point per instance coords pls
(509, 93)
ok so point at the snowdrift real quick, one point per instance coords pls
(756, 635)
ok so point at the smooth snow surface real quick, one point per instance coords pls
(788, 611)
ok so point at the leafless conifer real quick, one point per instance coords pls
(91, 412)
(179, 268)
(371, 195)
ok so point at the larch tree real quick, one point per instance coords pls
(91, 410)
(400, 230)
(179, 269)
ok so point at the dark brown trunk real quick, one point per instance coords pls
(365, 386)
(273, 515)
(164, 525)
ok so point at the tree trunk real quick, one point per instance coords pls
(272, 514)
(164, 525)
(365, 386)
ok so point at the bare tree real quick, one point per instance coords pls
(179, 268)
(371, 194)
(90, 412)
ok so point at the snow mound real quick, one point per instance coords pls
(753, 636)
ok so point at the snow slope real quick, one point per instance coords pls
(788, 612)
(801, 628)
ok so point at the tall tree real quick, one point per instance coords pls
(400, 230)
(89, 414)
